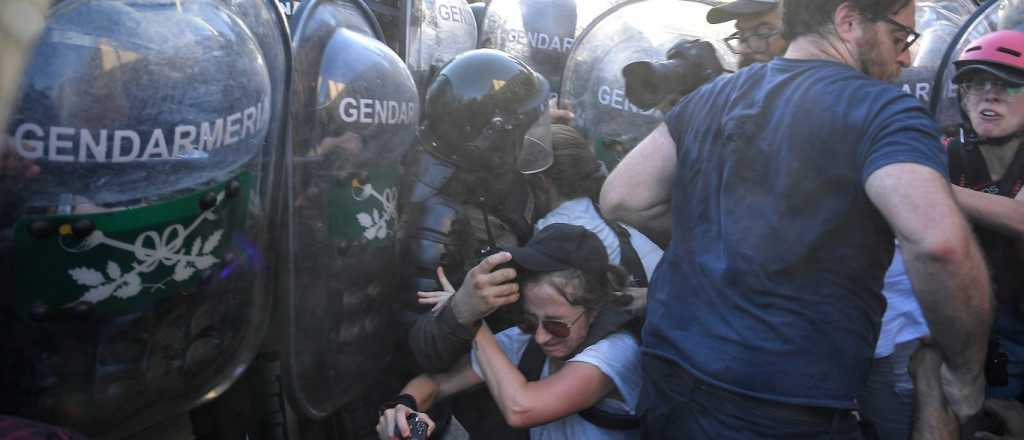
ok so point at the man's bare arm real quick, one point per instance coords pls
(946, 269)
(638, 192)
(1001, 213)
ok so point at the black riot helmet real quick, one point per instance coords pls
(488, 111)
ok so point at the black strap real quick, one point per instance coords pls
(531, 365)
(610, 420)
(627, 254)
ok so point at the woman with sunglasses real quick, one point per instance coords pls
(986, 166)
(566, 281)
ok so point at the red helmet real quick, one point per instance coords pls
(1000, 53)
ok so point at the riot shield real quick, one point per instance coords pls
(632, 31)
(989, 17)
(343, 178)
(132, 233)
(937, 21)
(540, 32)
(438, 31)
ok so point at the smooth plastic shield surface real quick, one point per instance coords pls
(133, 226)
(540, 32)
(633, 31)
(990, 17)
(438, 31)
(938, 22)
(358, 120)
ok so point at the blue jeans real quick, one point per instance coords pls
(675, 404)
(887, 401)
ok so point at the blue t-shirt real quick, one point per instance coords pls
(771, 285)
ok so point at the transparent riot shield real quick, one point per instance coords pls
(317, 18)
(540, 32)
(632, 31)
(438, 31)
(989, 17)
(937, 22)
(132, 233)
(347, 142)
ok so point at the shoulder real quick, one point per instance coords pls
(619, 349)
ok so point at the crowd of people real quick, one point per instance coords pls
(834, 267)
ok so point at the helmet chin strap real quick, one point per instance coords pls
(969, 136)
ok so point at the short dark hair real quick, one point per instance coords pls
(808, 17)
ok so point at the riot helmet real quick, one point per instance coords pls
(487, 111)
(133, 252)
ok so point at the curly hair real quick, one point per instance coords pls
(814, 17)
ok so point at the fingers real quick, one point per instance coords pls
(488, 264)
(444, 280)
(401, 414)
(432, 297)
(385, 426)
(430, 423)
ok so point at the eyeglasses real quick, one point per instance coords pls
(912, 35)
(981, 86)
(558, 329)
(756, 43)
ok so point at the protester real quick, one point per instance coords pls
(783, 187)
(987, 166)
(566, 282)
(758, 36)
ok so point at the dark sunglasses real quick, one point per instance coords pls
(558, 329)
(912, 35)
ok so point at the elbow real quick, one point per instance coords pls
(517, 414)
(517, 419)
(952, 249)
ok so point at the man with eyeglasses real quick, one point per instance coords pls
(783, 187)
(758, 36)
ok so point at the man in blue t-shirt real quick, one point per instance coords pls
(783, 187)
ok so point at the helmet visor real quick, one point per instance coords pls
(536, 154)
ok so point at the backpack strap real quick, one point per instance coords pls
(628, 255)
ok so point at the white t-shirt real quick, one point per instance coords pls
(581, 212)
(903, 320)
(617, 356)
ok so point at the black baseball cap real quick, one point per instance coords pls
(561, 246)
(740, 8)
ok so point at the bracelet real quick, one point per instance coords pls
(402, 399)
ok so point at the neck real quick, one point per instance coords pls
(999, 157)
(817, 47)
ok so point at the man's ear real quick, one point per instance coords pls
(848, 21)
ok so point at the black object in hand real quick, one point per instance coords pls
(417, 428)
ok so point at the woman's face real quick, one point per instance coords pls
(544, 302)
(994, 111)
